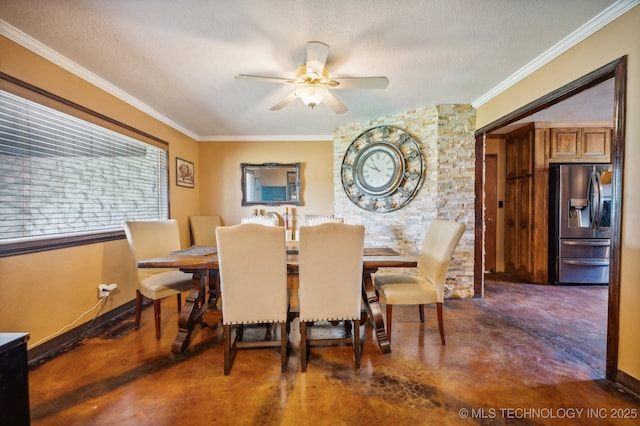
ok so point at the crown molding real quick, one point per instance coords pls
(51, 55)
(611, 13)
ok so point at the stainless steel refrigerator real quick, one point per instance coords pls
(580, 223)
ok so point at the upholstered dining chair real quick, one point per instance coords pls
(149, 239)
(427, 286)
(311, 220)
(253, 283)
(261, 219)
(203, 229)
(203, 233)
(330, 283)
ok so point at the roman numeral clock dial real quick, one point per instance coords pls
(382, 169)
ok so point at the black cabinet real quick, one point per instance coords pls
(14, 379)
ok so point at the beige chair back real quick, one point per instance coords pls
(262, 220)
(153, 238)
(253, 273)
(311, 220)
(330, 272)
(439, 244)
(203, 229)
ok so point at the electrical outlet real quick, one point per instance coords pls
(104, 290)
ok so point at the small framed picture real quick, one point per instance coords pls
(184, 173)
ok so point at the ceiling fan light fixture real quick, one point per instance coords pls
(311, 95)
(313, 83)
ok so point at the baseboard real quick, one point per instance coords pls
(628, 382)
(68, 340)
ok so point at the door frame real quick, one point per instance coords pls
(618, 71)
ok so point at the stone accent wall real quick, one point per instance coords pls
(446, 133)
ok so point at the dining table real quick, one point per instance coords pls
(202, 263)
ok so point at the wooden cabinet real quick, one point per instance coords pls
(526, 199)
(519, 155)
(580, 145)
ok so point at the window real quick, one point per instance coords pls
(64, 177)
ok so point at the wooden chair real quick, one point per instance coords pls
(149, 239)
(428, 286)
(253, 283)
(330, 283)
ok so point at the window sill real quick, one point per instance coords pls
(35, 246)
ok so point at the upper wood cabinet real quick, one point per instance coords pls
(580, 145)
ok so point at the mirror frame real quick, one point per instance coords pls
(298, 186)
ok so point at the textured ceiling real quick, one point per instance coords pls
(177, 59)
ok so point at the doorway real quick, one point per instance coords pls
(491, 206)
(616, 70)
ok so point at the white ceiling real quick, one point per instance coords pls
(176, 59)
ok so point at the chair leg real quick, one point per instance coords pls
(284, 345)
(138, 308)
(440, 324)
(179, 297)
(227, 349)
(268, 331)
(214, 285)
(303, 346)
(421, 310)
(357, 350)
(389, 321)
(156, 314)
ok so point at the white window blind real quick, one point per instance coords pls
(63, 176)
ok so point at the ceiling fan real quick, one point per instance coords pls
(313, 82)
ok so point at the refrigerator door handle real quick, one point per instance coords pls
(586, 243)
(594, 194)
(586, 262)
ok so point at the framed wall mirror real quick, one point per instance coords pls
(270, 184)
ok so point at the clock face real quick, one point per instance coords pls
(378, 168)
(382, 169)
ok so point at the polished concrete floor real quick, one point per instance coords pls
(524, 354)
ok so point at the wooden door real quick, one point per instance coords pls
(491, 211)
(511, 224)
(525, 227)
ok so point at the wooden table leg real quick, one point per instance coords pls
(192, 311)
(375, 313)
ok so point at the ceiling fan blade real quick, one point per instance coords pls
(283, 103)
(264, 79)
(317, 54)
(361, 83)
(334, 104)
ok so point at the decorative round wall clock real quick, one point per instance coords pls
(382, 169)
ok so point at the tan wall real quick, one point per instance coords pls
(219, 176)
(621, 37)
(41, 293)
